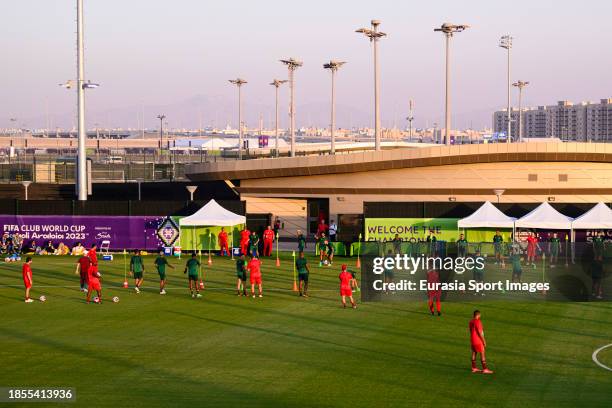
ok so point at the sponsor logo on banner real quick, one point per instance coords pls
(168, 232)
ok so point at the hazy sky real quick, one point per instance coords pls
(162, 53)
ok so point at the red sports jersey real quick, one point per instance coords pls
(244, 235)
(223, 237)
(433, 277)
(26, 271)
(84, 264)
(268, 235)
(254, 267)
(475, 328)
(532, 241)
(345, 280)
(93, 256)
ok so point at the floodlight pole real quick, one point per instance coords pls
(276, 83)
(374, 35)
(449, 30)
(161, 131)
(506, 42)
(82, 135)
(410, 118)
(239, 82)
(333, 66)
(292, 65)
(520, 85)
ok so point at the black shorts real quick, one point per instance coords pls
(303, 277)
(242, 276)
(193, 278)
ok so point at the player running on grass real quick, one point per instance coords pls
(345, 287)
(301, 265)
(137, 269)
(93, 283)
(434, 292)
(160, 263)
(254, 268)
(82, 269)
(478, 343)
(26, 271)
(192, 267)
(241, 274)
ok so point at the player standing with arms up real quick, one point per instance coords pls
(160, 263)
(82, 269)
(434, 292)
(26, 271)
(137, 269)
(478, 343)
(254, 268)
(192, 267)
(268, 241)
(223, 243)
(345, 287)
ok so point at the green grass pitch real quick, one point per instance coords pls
(222, 350)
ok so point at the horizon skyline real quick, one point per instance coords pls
(312, 82)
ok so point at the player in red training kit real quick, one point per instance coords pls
(93, 283)
(245, 234)
(93, 257)
(27, 278)
(433, 290)
(254, 268)
(268, 240)
(532, 244)
(224, 248)
(345, 286)
(478, 342)
(82, 269)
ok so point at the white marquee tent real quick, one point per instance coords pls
(212, 214)
(546, 217)
(487, 216)
(598, 217)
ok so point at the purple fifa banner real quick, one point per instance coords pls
(123, 232)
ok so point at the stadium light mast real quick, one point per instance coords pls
(449, 30)
(506, 43)
(161, 118)
(292, 65)
(239, 82)
(333, 67)
(277, 83)
(520, 85)
(410, 118)
(374, 35)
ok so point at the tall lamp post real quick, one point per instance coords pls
(449, 30)
(374, 35)
(276, 83)
(239, 82)
(333, 67)
(161, 131)
(292, 65)
(520, 85)
(506, 43)
(410, 118)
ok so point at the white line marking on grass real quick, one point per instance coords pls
(157, 288)
(605, 367)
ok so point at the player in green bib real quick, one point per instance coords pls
(498, 239)
(301, 265)
(598, 246)
(301, 242)
(515, 261)
(160, 263)
(137, 269)
(462, 246)
(322, 245)
(241, 274)
(192, 268)
(254, 245)
(554, 248)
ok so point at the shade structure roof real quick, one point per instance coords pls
(545, 216)
(600, 216)
(487, 216)
(212, 214)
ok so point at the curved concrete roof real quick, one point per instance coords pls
(400, 158)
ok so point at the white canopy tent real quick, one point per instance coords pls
(598, 217)
(546, 217)
(212, 214)
(487, 216)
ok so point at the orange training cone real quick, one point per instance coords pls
(277, 261)
(358, 265)
(201, 284)
(125, 284)
(209, 259)
(295, 287)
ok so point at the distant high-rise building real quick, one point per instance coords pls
(585, 121)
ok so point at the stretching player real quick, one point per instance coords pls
(192, 268)
(434, 292)
(345, 287)
(478, 343)
(27, 278)
(241, 275)
(137, 269)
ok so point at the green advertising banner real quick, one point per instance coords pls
(384, 229)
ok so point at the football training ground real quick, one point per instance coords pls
(222, 350)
